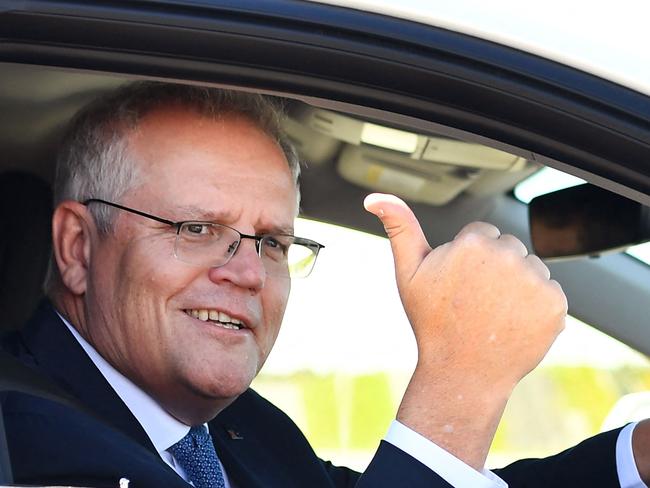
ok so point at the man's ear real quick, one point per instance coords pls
(71, 238)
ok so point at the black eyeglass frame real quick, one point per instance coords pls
(178, 225)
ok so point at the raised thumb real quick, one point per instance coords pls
(407, 240)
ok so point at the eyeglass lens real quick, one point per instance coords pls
(210, 244)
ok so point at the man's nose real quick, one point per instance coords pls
(244, 269)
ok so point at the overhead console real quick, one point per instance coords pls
(421, 168)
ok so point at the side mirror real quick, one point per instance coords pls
(585, 220)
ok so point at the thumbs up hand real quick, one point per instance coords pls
(484, 313)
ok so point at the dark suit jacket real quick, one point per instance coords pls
(101, 442)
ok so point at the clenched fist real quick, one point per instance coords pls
(484, 313)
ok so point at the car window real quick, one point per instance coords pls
(344, 357)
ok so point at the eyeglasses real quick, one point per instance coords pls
(211, 244)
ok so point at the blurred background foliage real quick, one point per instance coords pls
(345, 416)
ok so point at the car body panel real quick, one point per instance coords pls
(604, 39)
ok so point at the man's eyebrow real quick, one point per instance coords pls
(192, 212)
(288, 230)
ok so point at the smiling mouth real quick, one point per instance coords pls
(218, 318)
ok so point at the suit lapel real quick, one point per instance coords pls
(255, 457)
(239, 458)
(59, 355)
(244, 464)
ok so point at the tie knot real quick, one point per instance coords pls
(198, 435)
(195, 453)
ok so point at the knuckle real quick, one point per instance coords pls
(471, 240)
(509, 237)
(479, 228)
(514, 244)
(535, 262)
(560, 297)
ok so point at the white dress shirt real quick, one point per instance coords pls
(164, 431)
(628, 474)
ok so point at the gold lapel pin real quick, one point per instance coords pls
(234, 435)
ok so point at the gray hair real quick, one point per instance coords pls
(94, 160)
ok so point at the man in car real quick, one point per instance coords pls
(173, 257)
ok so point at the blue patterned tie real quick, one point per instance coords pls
(195, 453)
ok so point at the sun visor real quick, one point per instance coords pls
(421, 168)
(414, 180)
(459, 153)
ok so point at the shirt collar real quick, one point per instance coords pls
(163, 429)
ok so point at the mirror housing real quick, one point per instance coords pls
(585, 220)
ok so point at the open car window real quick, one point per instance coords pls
(354, 359)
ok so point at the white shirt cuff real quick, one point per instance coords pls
(446, 465)
(628, 474)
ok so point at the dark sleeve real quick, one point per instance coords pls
(390, 467)
(393, 467)
(340, 476)
(591, 463)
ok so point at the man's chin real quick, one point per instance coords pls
(201, 406)
(227, 393)
(225, 389)
(208, 390)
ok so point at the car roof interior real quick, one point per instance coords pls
(449, 177)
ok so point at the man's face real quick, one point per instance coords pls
(140, 299)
